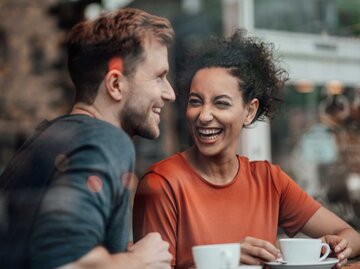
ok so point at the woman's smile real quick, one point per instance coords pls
(209, 135)
(216, 111)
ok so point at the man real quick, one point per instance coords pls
(64, 201)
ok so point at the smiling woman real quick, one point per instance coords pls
(208, 194)
(216, 112)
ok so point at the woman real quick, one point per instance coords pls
(208, 194)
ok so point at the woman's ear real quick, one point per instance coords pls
(252, 109)
(114, 84)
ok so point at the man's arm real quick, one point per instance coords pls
(149, 253)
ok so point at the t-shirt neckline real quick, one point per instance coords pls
(186, 162)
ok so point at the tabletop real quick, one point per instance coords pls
(353, 263)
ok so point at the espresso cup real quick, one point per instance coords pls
(303, 250)
(217, 256)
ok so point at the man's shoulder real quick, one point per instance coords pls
(87, 130)
(85, 124)
(76, 135)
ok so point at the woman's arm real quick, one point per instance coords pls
(342, 238)
(155, 211)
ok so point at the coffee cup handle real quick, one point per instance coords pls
(327, 252)
(227, 258)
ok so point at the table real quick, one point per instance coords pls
(353, 263)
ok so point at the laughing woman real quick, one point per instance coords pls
(209, 194)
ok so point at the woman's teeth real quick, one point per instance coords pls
(209, 134)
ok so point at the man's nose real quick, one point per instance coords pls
(168, 93)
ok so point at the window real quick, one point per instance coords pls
(332, 17)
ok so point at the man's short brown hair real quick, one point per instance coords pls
(91, 44)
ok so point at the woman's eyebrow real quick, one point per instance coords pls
(222, 96)
(194, 94)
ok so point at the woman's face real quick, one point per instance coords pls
(216, 111)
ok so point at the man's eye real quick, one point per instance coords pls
(162, 76)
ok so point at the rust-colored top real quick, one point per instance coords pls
(173, 199)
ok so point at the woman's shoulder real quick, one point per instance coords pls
(266, 171)
(263, 170)
(170, 165)
(258, 165)
(169, 173)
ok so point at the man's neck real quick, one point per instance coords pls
(84, 109)
(94, 112)
(91, 111)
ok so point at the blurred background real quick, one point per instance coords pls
(315, 138)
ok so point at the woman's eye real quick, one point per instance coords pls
(194, 102)
(223, 104)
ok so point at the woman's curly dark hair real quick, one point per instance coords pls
(248, 59)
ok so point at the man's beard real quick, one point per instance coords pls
(135, 122)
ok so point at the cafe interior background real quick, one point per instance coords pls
(316, 136)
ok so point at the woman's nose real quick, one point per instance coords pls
(205, 115)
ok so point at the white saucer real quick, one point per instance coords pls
(326, 264)
(244, 266)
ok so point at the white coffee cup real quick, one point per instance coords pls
(245, 266)
(217, 256)
(303, 250)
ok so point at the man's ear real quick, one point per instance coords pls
(252, 109)
(114, 84)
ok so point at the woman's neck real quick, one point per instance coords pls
(215, 169)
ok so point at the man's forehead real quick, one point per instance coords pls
(152, 60)
(155, 51)
(152, 44)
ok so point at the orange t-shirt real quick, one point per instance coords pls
(173, 199)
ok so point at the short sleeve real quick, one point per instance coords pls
(155, 210)
(296, 206)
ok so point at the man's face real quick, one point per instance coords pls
(149, 89)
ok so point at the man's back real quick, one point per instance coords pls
(65, 180)
(64, 201)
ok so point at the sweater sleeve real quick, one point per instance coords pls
(155, 210)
